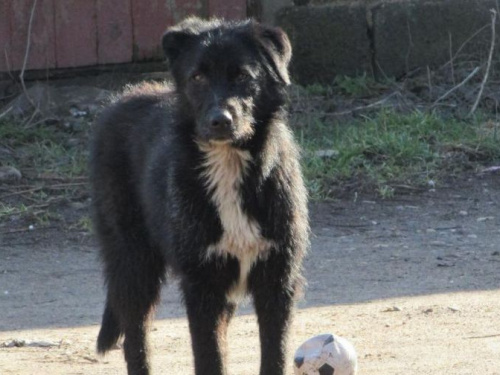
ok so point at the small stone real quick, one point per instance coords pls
(72, 142)
(326, 154)
(438, 243)
(75, 112)
(79, 205)
(453, 309)
(13, 344)
(392, 309)
(495, 168)
(41, 344)
(445, 264)
(480, 219)
(10, 174)
(16, 343)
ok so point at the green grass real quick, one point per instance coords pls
(356, 86)
(7, 210)
(42, 149)
(53, 162)
(381, 152)
(389, 149)
(84, 225)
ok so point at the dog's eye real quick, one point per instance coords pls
(243, 77)
(198, 77)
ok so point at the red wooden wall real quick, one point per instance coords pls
(75, 33)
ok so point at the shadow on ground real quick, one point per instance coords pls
(362, 249)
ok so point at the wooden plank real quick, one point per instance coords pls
(150, 21)
(114, 31)
(4, 35)
(42, 47)
(76, 33)
(185, 8)
(231, 10)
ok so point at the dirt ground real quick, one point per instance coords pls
(413, 282)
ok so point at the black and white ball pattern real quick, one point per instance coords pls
(326, 355)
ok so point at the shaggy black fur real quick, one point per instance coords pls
(202, 179)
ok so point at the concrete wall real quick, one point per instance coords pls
(330, 37)
(387, 38)
(327, 40)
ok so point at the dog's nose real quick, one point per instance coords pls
(220, 119)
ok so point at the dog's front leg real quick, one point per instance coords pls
(274, 302)
(209, 314)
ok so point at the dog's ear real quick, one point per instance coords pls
(277, 45)
(179, 37)
(174, 41)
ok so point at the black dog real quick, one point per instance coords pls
(202, 180)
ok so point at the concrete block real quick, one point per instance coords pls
(269, 8)
(415, 34)
(327, 41)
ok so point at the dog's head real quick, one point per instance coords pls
(230, 76)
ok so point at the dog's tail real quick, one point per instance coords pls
(110, 331)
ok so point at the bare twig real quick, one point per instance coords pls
(482, 337)
(4, 113)
(429, 82)
(361, 108)
(26, 55)
(64, 186)
(7, 63)
(446, 94)
(463, 45)
(35, 112)
(382, 71)
(22, 192)
(50, 187)
(451, 58)
(490, 58)
(28, 229)
(54, 178)
(410, 45)
(20, 212)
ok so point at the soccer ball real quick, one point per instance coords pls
(326, 355)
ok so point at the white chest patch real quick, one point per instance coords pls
(225, 168)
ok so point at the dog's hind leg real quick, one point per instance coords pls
(110, 331)
(134, 280)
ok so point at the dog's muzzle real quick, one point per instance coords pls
(219, 124)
